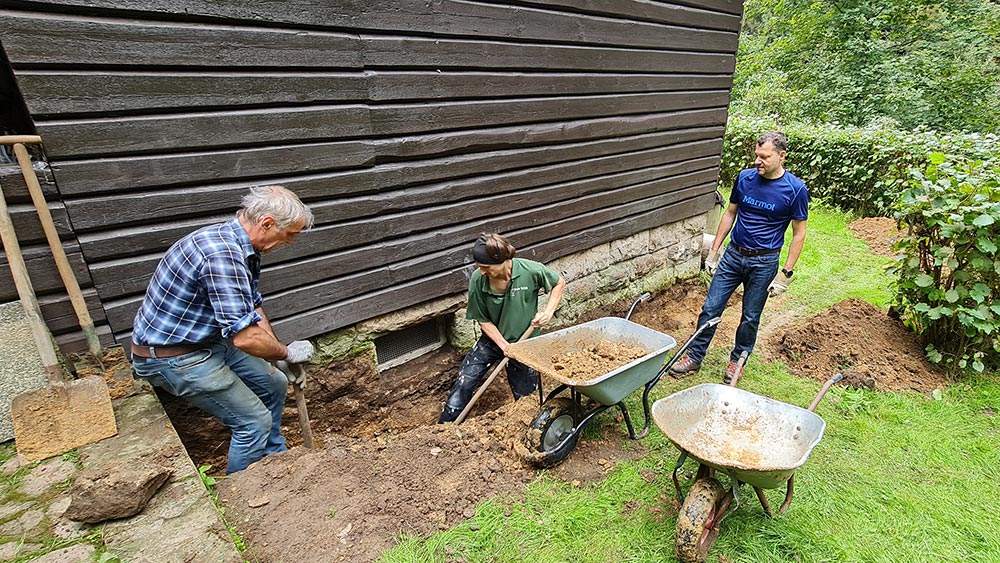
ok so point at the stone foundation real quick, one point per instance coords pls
(647, 261)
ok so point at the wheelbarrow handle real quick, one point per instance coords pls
(826, 386)
(663, 370)
(680, 352)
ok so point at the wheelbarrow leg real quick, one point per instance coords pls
(763, 501)
(673, 476)
(628, 423)
(788, 495)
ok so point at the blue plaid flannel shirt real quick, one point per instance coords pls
(205, 286)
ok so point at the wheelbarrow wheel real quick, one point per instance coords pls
(551, 434)
(697, 522)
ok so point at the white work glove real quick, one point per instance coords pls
(779, 284)
(293, 373)
(712, 262)
(299, 352)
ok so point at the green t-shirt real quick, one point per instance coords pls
(512, 310)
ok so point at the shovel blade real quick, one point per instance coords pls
(57, 418)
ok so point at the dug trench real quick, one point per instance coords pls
(384, 466)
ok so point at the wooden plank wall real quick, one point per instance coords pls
(408, 127)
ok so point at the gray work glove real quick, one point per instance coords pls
(779, 284)
(293, 373)
(712, 262)
(299, 352)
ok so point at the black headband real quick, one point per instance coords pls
(481, 254)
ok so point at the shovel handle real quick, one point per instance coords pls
(58, 254)
(26, 293)
(300, 406)
(24, 139)
(486, 384)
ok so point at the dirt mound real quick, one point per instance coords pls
(857, 337)
(878, 232)
(348, 501)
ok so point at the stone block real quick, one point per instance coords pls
(335, 345)
(411, 315)
(17, 549)
(583, 263)
(581, 289)
(20, 365)
(50, 472)
(113, 491)
(460, 331)
(630, 247)
(79, 553)
(649, 262)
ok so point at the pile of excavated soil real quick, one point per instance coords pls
(348, 501)
(855, 336)
(878, 233)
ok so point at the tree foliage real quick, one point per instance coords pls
(899, 63)
(863, 170)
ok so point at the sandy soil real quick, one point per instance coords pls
(386, 468)
(878, 232)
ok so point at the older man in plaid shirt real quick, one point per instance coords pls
(201, 332)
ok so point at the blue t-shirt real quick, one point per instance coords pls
(766, 207)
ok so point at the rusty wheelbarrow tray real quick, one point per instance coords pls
(554, 432)
(751, 438)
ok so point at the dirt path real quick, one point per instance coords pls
(387, 468)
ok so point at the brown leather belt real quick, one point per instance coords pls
(159, 352)
(751, 252)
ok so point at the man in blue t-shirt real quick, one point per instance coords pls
(765, 200)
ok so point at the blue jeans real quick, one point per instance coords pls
(522, 379)
(241, 390)
(755, 274)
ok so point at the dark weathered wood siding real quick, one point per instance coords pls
(408, 127)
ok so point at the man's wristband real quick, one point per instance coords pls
(788, 273)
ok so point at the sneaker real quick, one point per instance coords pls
(685, 366)
(731, 370)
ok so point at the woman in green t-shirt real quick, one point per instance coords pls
(503, 298)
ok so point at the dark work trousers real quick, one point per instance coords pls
(522, 379)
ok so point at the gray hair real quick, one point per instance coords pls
(278, 202)
(776, 138)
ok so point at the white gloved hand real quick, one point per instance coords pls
(293, 373)
(299, 352)
(779, 284)
(712, 262)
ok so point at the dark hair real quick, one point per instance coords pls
(776, 138)
(497, 249)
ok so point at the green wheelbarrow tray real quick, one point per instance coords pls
(752, 438)
(608, 388)
(554, 432)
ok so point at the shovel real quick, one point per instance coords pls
(58, 254)
(300, 406)
(492, 376)
(63, 415)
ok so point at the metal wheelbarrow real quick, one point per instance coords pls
(555, 431)
(753, 439)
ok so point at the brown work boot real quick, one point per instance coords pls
(685, 366)
(731, 371)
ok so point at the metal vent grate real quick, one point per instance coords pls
(411, 342)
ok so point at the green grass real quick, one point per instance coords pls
(897, 476)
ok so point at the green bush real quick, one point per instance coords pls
(858, 169)
(948, 269)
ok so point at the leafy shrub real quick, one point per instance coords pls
(858, 169)
(948, 284)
